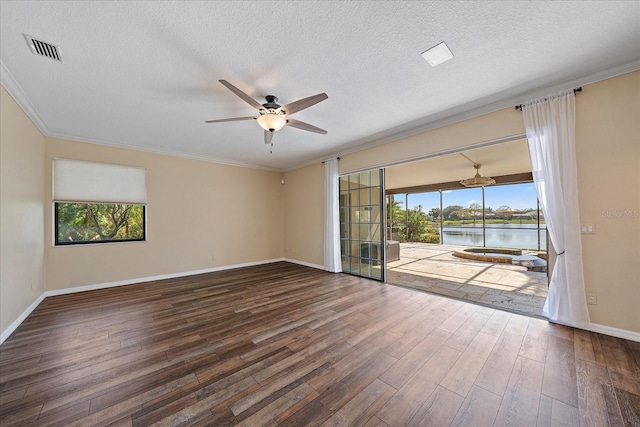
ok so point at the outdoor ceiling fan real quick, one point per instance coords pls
(478, 181)
(273, 116)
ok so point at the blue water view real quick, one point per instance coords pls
(516, 236)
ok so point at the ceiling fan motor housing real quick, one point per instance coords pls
(272, 102)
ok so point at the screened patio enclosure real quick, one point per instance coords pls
(499, 216)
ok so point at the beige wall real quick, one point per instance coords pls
(501, 124)
(21, 211)
(608, 156)
(304, 214)
(200, 215)
(203, 215)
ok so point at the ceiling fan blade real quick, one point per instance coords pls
(249, 100)
(304, 126)
(301, 104)
(268, 136)
(233, 119)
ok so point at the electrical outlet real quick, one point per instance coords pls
(592, 299)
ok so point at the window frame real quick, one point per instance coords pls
(57, 243)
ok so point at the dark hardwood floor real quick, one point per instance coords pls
(281, 344)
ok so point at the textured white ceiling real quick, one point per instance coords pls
(145, 74)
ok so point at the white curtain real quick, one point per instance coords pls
(331, 217)
(550, 126)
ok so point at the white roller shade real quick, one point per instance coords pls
(80, 181)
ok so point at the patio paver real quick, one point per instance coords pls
(433, 268)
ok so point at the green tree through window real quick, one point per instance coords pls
(96, 222)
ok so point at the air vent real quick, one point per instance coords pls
(40, 48)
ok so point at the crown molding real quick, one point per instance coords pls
(439, 120)
(466, 112)
(17, 93)
(159, 151)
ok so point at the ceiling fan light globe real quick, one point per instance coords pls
(271, 122)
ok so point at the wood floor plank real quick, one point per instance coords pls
(439, 409)
(519, 406)
(478, 409)
(65, 417)
(618, 355)
(21, 417)
(409, 341)
(564, 415)
(496, 371)
(283, 344)
(545, 412)
(625, 380)
(281, 408)
(337, 371)
(535, 342)
(400, 372)
(145, 417)
(458, 318)
(629, 407)
(553, 413)
(468, 331)
(280, 382)
(597, 348)
(411, 396)
(312, 414)
(496, 323)
(310, 351)
(560, 372)
(462, 375)
(359, 408)
(517, 325)
(338, 394)
(375, 422)
(595, 396)
(583, 347)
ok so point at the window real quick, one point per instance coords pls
(98, 203)
(98, 223)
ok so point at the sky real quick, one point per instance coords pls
(516, 196)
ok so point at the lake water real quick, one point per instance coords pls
(517, 236)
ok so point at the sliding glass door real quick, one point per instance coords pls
(362, 236)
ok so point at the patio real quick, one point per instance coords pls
(433, 268)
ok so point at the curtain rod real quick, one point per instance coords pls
(338, 158)
(519, 107)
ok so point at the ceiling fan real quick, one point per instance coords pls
(273, 116)
(478, 180)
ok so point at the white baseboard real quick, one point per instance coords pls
(593, 327)
(603, 329)
(154, 278)
(13, 326)
(7, 332)
(306, 264)
(614, 332)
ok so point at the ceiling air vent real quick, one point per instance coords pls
(38, 47)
